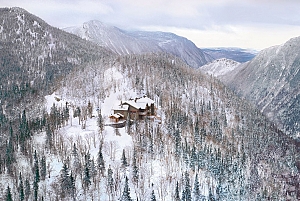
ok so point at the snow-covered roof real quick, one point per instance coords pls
(121, 107)
(116, 116)
(120, 115)
(140, 103)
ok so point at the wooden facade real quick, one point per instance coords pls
(138, 108)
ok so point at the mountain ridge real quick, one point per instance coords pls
(271, 80)
(139, 42)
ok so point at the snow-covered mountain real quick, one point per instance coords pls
(208, 144)
(220, 67)
(236, 54)
(139, 42)
(271, 81)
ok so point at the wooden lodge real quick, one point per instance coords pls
(138, 108)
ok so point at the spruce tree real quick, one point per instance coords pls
(76, 160)
(36, 167)
(177, 144)
(110, 180)
(65, 181)
(197, 133)
(135, 170)
(43, 168)
(35, 190)
(124, 159)
(21, 188)
(126, 192)
(27, 188)
(177, 196)
(153, 196)
(100, 121)
(186, 193)
(9, 155)
(86, 177)
(8, 196)
(73, 187)
(196, 188)
(100, 161)
(49, 137)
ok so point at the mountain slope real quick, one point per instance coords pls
(236, 54)
(271, 81)
(203, 123)
(220, 67)
(34, 56)
(139, 42)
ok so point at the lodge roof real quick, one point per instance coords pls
(120, 107)
(140, 103)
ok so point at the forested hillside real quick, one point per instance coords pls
(210, 145)
(271, 81)
(34, 56)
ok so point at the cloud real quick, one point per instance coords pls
(210, 16)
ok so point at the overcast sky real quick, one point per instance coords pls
(255, 24)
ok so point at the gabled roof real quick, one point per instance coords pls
(120, 107)
(140, 103)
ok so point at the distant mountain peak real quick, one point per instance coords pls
(139, 42)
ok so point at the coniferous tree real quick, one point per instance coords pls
(177, 196)
(197, 132)
(66, 113)
(24, 132)
(90, 109)
(196, 188)
(211, 196)
(35, 190)
(153, 198)
(76, 160)
(73, 186)
(177, 144)
(43, 168)
(8, 196)
(10, 154)
(126, 192)
(124, 159)
(65, 181)
(36, 167)
(100, 161)
(100, 121)
(93, 169)
(49, 137)
(135, 169)
(27, 188)
(186, 193)
(194, 158)
(86, 177)
(77, 113)
(21, 188)
(110, 180)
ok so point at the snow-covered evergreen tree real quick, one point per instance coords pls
(126, 192)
